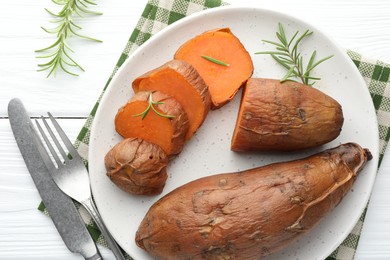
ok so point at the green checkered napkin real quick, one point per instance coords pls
(159, 14)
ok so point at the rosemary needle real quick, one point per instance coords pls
(215, 60)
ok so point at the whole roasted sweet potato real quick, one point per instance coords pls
(249, 214)
(285, 116)
(137, 166)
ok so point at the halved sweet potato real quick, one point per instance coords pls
(137, 166)
(181, 81)
(223, 45)
(168, 133)
(285, 116)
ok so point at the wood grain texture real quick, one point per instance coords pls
(25, 233)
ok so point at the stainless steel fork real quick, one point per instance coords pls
(70, 174)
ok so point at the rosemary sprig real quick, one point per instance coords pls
(151, 105)
(59, 57)
(215, 60)
(288, 56)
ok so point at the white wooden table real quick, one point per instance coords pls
(25, 233)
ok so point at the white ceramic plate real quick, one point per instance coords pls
(209, 153)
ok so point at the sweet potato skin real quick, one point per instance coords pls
(137, 166)
(249, 214)
(285, 116)
(136, 127)
(196, 105)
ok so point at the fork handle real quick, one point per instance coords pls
(91, 208)
(97, 256)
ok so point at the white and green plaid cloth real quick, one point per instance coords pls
(160, 13)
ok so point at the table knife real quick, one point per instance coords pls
(61, 208)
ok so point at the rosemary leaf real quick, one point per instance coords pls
(280, 61)
(90, 2)
(83, 36)
(281, 39)
(215, 60)
(272, 52)
(51, 46)
(311, 61)
(292, 38)
(274, 43)
(52, 13)
(288, 75)
(319, 62)
(75, 25)
(313, 78)
(46, 56)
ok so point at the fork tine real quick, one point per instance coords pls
(73, 152)
(41, 148)
(52, 151)
(56, 142)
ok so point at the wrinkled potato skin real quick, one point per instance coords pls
(137, 167)
(249, 214)
(285, 116)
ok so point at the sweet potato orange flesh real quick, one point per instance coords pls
(249, 214)
(181, 81)
(168, 133)
(223, 45)
(137, 167)
(285, 116)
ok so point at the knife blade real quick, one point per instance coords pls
(61, 208)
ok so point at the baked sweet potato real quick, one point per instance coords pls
(222, 45)
(181, 81)
(285, 116)
(249, 214)
(137, 166)
(167, 132)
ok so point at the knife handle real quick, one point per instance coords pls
(91, 208)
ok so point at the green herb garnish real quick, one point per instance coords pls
(151, 106)
(59, 50)
(215, 60)
(288, 56)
